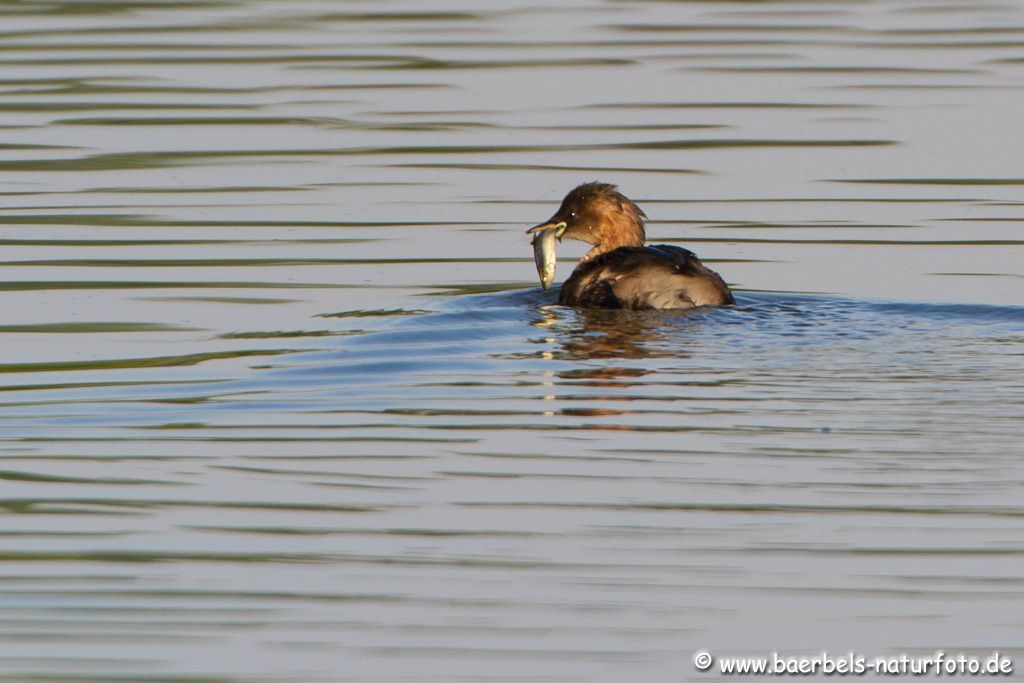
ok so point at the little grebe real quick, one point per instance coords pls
(619, 271)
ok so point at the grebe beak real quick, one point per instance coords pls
(559, 228)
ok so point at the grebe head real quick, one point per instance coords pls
(598, 214)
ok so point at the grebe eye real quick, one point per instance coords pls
(572, 214)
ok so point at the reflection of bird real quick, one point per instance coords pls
(602, 333)
(619, 271)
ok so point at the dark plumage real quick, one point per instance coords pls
(619, 271)
(659, 276)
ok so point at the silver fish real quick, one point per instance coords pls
(544, 255)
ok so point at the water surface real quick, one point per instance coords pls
(282, 400)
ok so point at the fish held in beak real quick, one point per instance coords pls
(544, 236)
(544, 256)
